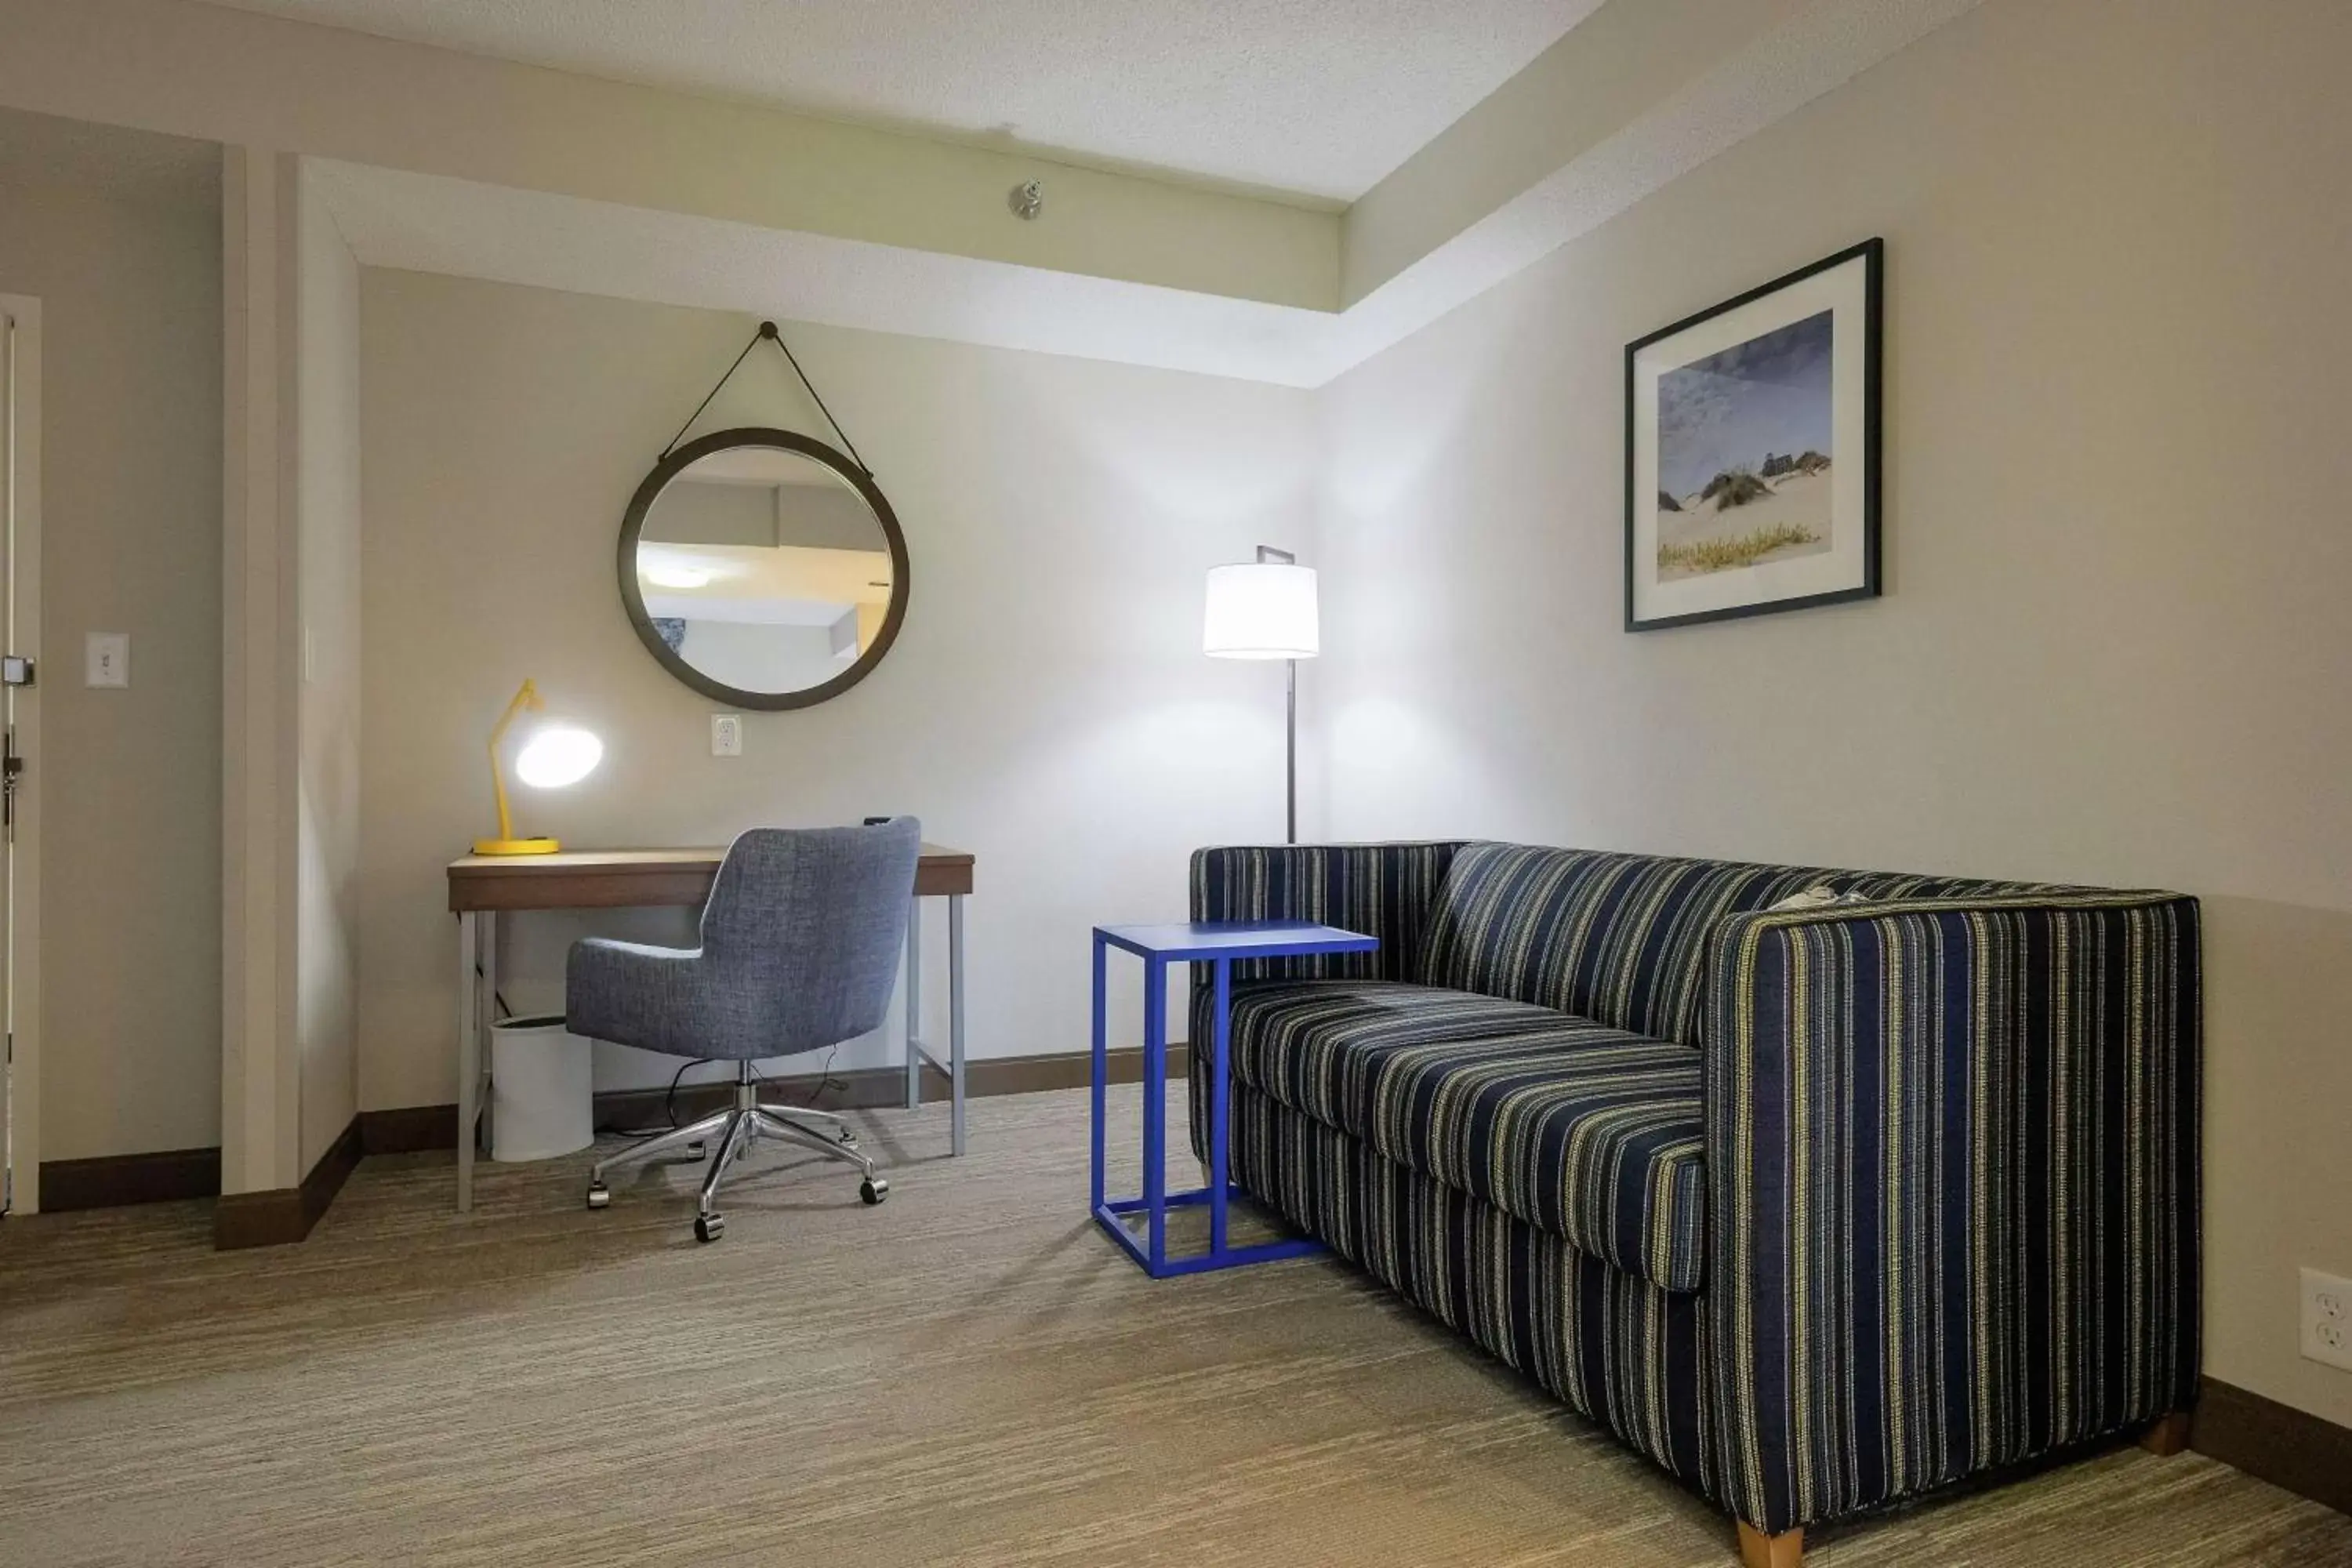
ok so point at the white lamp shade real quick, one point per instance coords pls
(558, 755)
(1264, 610)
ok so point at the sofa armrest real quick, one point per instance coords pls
(1385, 891)
(1953, 1188)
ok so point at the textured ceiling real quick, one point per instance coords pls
(1314, 98)
(430, 223)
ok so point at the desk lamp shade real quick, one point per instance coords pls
(553, 756)
(1264, 609)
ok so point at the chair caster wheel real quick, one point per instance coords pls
(600, 1196)
(873, 1189)
(848, 1139)
(710, 1227)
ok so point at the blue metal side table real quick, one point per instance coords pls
(1216, 942)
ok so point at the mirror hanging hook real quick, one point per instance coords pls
(768, 331)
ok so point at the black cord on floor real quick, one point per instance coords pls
(669, 1106)
(826, 1082)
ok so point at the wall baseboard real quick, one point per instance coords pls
(284, 1215)
(408, 1129)
(108, 1181)
(2276, 1443)
(418, 1127)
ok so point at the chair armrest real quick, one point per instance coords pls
(1953, 1188)
(1385, 891)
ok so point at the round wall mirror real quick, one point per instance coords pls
(763, 569)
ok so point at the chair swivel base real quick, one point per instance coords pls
(729, 1135)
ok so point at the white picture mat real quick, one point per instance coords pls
(1843, 291)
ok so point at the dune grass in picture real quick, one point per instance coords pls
(1745, 449)
(1724, 554)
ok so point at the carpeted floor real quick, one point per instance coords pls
(967, 1375)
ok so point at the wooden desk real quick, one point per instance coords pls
(483, 887)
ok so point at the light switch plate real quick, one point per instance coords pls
(107, 659)
(2327, 1319)
(726, 734)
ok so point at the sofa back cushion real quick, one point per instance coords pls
(1619, 939)
(1384, 890)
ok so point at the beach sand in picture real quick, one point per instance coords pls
(1792, 519)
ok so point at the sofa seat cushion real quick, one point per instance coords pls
(1588, 1133)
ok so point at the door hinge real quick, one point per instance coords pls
(16, 671)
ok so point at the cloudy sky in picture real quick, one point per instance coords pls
(1729, 410)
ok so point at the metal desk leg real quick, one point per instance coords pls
(1100, 1057)
(955, 1016)
(485, 1126)
(470, 1058)
(1155, 1109)
(914, 1003)
(1221, 1111)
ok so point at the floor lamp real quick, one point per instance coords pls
(1265, 609)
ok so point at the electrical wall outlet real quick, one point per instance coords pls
(2327, 1319)
(726, 734)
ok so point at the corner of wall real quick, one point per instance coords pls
(324, 630)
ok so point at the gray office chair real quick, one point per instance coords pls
(800, 946)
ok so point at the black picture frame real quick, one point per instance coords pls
(1872, 254)
(852, 474)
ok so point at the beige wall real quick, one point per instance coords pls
(1047, 704)
(1615, 66)
(126, 263)
(2115, 643)
(261, 1081)
(327, 804)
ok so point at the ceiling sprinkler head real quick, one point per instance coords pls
(1027, 199)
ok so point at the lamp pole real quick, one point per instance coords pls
(1267, 555)
(1290, 760)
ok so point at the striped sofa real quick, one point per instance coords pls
(1818, 1208)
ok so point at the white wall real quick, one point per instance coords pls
(118, 234)
(1047, 704)
(327, 546)
(2114, 646)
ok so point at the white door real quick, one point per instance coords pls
(20, 511)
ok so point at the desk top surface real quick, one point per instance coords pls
(613, 878)
(640, 860)
(1236, 939)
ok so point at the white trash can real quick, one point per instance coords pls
(542, 1078)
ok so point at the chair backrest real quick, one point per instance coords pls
(1619, 939)
(803, 928)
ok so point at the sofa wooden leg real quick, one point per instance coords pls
(1758, 1550)
(2169, 1436)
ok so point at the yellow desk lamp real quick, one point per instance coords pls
(554, 756)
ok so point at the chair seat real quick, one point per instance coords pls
(1590, 1133)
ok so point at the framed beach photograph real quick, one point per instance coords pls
(1751, 450)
